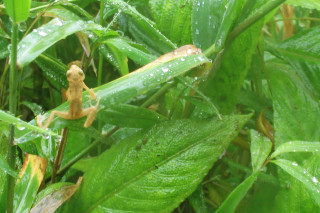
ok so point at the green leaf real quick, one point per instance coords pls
(310, 4)
(232, 201)
(124, 115)
(18, 10)
(302, 51)
(31, 176)
(295, 119)
(233, 9)
(21, 125)
(36, 42)
(137, 55)
(53, 70)
(291, 112)
(142, 29)
(115, 57)
(34, 107)
(165, 163)
(173, 19)
(301, 174)
(296, 146)
(7, 169)
(224, 88)
(205, 21)
(260, 149)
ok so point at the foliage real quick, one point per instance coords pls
(204, 106)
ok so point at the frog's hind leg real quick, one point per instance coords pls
(91, 113)
(62, 114)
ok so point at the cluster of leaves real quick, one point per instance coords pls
(159, 143)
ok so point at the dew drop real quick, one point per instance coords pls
(22, 26)
(165, 69)
(42, 33)
(315, 180)
(200, 58)
(58, 22)
(189, 51)
(197, 32)
(182, 59)
(21, 128)
(294, 164)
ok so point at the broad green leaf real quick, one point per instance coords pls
(137, 55)
(295, 118)
(76, 142)
(142, 29)
(224, 88)
(310, 4)
(31, 176)
(7, 169)
(54, 196)
(18, 10)
(295, 115)
(260, 149)
(53, 70)
(301, 174)
(234, 198)
(205, 21)
(124, 115)
(173, 19)
(165, 163)
(123, 89)
(302, 51)
(22, 125)
(296, 146)
(36, 42)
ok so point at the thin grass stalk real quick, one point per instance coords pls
(11, 155)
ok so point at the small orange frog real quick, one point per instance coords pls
(75, 77)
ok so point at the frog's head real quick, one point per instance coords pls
(75, 74)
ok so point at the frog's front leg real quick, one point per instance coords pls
(62, 114)
(93, 96)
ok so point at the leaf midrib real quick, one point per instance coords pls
(124, 185)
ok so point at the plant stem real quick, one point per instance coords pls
(258, 14)
(261, 12)
(160, 92)
(100, 54)
(11, 155)
(85, 151)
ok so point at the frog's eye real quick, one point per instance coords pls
(68, 74)
(80, 73)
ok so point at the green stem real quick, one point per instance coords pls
(158, 94)
(258, 14)
(13, 108)
(214, 108)
(85, 151)
(100, 55)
